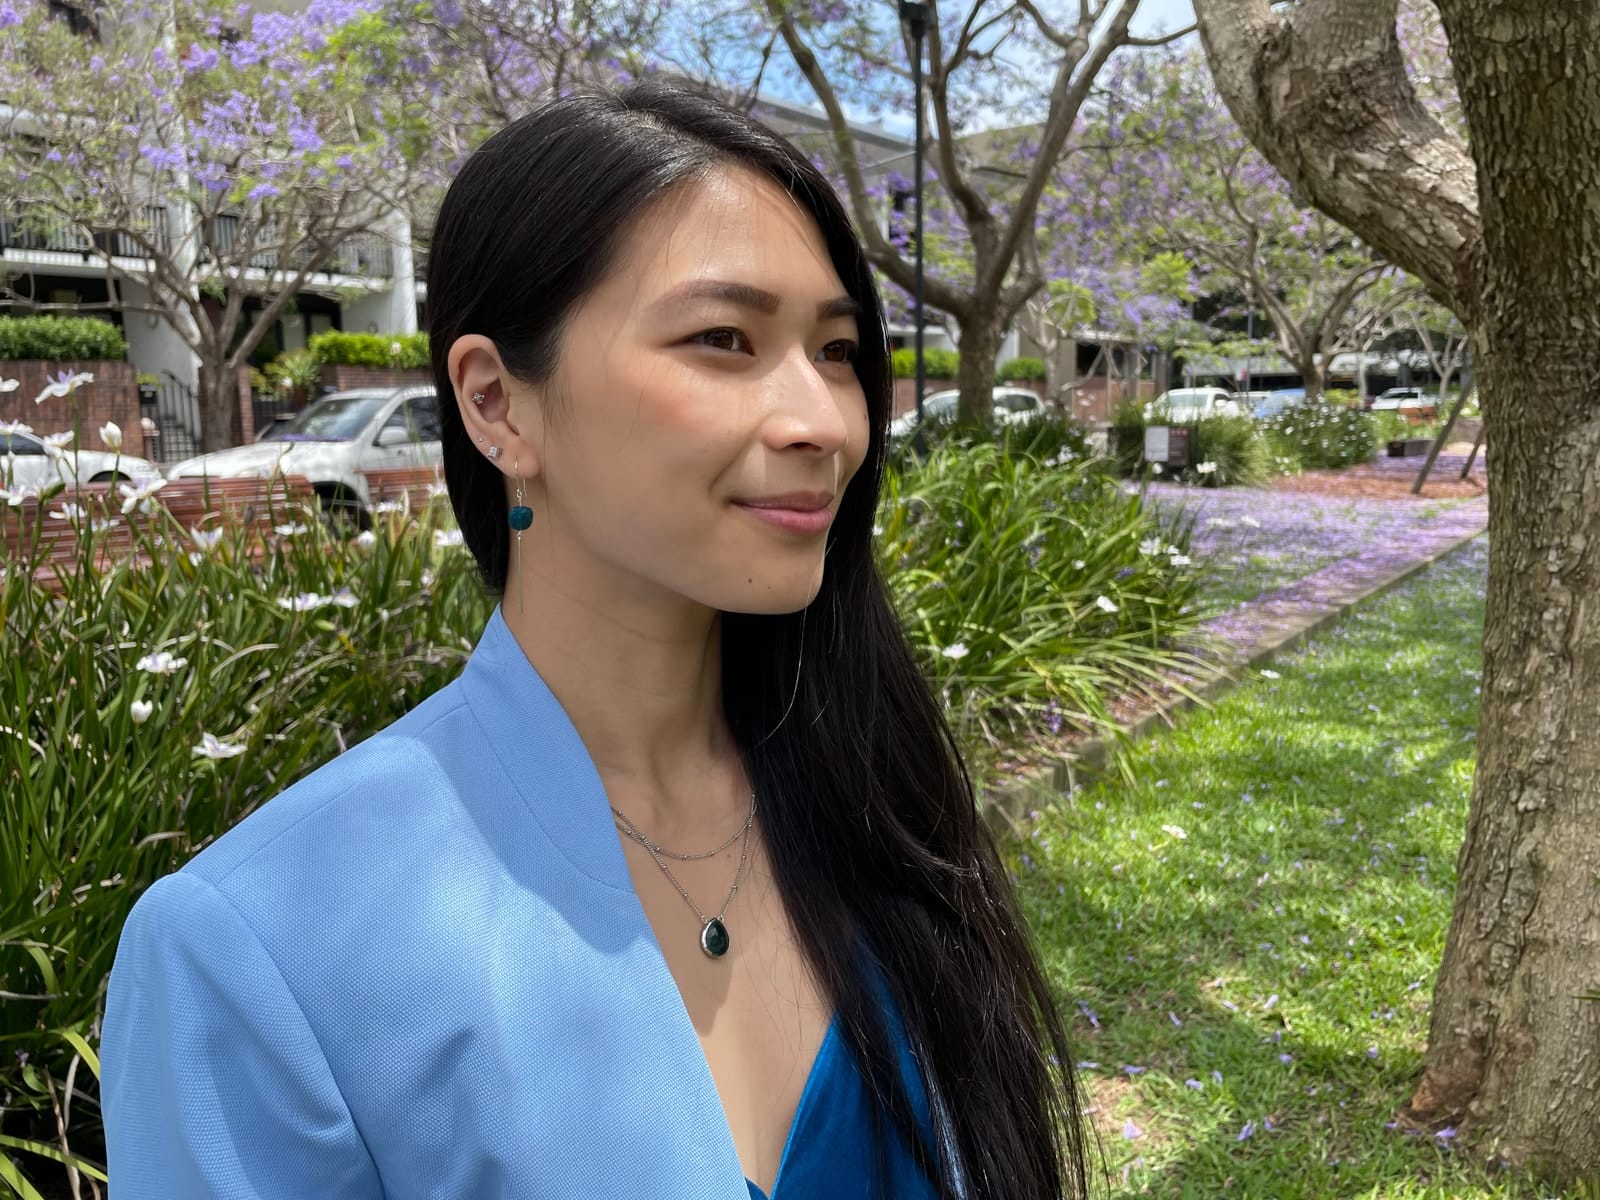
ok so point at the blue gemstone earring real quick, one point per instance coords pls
(521, 516)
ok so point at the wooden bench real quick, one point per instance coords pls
(53, 543)
(414, 488)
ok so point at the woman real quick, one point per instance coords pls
(679, 890)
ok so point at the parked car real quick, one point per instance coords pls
(1275, 402)
(1410, 402)
(1012, 406)
(1183, 406)
(28, 460)
(333, 440)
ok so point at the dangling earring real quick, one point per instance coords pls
(519, 518)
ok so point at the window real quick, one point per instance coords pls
(422, 417)
(19, 444)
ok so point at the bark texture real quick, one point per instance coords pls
(1510, 239)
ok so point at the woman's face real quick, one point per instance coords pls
(708, 415)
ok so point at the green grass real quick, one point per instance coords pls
(1263, 911)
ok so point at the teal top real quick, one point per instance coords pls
(829, 1151)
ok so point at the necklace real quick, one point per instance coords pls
(714, 938)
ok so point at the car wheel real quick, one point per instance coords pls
(111, 477)
(341, 509)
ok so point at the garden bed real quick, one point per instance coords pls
(1391, 479)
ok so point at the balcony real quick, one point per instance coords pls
(34, 227)
(366, 255)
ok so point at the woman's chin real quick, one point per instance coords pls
(773, 595)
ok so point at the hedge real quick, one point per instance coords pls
(936, 364)
(403, 350)
(61, 339)
(1020, 368)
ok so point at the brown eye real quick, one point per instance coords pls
(841, 351)
(724, 339)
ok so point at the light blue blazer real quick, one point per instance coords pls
(422, 971)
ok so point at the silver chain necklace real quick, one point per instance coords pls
(714, 938)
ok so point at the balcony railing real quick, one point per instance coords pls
(34, 227)
(363, 254)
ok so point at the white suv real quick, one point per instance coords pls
(1184, 406)
(333, 440)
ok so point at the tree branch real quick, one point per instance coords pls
(1322, 91)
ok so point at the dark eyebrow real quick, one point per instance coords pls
(748, 296)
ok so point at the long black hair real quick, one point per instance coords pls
(867, 809)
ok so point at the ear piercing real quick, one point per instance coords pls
(478, 397)
(494, 452)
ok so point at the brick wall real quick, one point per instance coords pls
(113, 396)
(342, 378)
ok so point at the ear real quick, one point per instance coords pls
(510, 413)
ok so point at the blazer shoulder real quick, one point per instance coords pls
(402, 766)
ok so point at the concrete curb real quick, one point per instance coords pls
(1289, 623)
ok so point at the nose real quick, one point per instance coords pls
(810, 409)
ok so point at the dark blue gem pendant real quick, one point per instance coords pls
(521, 517)
(714, 938)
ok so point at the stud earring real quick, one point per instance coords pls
(493, 452)
(478, 397)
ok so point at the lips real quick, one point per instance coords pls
(796, 512)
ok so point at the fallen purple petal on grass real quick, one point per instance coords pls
(1249, 1131)
(1131, 1131)
(1445, 1134)
(1132, 1070)
(1195, 1084)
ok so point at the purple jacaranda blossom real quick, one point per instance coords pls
(1249, 1131)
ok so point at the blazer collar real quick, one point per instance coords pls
(543, 755)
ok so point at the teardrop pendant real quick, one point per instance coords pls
(714, 938)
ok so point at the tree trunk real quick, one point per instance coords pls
(1512, 1045)
(221, 423)
(980, 344)
(1509, 238)
(1311, 376)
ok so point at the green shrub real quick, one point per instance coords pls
(61, 339)
(1048, 438)
(1032, 594)
(936, 364)
(1127, 435)
(1226, 451)
(1020, 368)
(401, 350)
(1342, 397)
(1325, 435)
(97, 804)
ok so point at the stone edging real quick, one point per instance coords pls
(1291, 619)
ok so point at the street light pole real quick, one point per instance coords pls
(916, 15)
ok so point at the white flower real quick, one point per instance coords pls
(10, 385)
(1155, 468)
(1179, 560)
(161, 663)
(111, 436)
(55, 444)
(1105, 604)
(206, 539)
(877, 531)
(1250, 521)
(304, 602)
(140, 711)
(1174, 549)
(445, 538)
(211, 748)
(69, 512)
(101, 524)
(196, 558)
(135, 495)
(427, 577)
(1078, 564)
(1269, 674)
(389, 506)
(1207, 468)
(64, 386)
(16, 495)
(435, 490)
(1150, 546)
(12, 428)
(1174, 831)
(289, 530)
(366, 539)
(344, 598)
(957, 650)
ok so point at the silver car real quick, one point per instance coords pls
(1012, 406)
